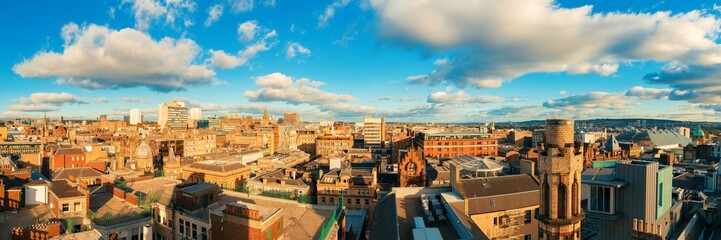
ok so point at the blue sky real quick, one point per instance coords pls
(408, 60)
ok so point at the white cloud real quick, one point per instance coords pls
(47, 102)
(590, 100)
(282, 88)
(242, 5)
(221, 59)
(545, 37)
(461, 97)
(52, 98)
(294, 49)
(247, 30)
(96, 57)
(563, 92)
(148, 11)
(648, 93)
(214, 14)
(329, 12)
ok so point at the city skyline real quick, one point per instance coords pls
(406, 62)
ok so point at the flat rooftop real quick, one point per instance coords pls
(265, 212)
(409, 208)
(162, 184)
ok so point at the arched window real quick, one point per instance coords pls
(562, 201)
(574, 198)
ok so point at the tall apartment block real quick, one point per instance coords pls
(560, 164)
(173, 116)
(136, 116)
(373, 131)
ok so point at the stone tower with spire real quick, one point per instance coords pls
(560, 163)
(171, 165)
(266, 117)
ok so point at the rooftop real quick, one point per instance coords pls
(69, 151)
(217, 166)
(264, 212)
(483, 187)
(63, 189)
(78, 173)
(472, 163)
(198, 187)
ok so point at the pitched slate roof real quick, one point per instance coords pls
(63, 189)
(63, 151)
(77, 173)
(482, 187)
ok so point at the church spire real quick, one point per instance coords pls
(265, 115)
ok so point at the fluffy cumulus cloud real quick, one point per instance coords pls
(242, 5)
(282, 88)
(96, 57)
(697, 83)
(648, 93)
(247, 29)
(214, 13)
(548, 38)
(590, 100)
(329, 12)
(247, 32)
(168, 12)
(295, 49)
(52, 98)
(48, 102)
(461, 97)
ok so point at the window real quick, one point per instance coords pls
(348, 200)
(134, 234)
(357, 201)
(180, 227)
(187, 228)
(367, 202)
(527, 218)
(527, 237)
(322, 199)
(493, 203)
(78, 207)
(600, 199)
(561, 201)
(66, 207)
(495, 221)
(660, 195)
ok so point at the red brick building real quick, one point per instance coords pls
(41, 231)
(67, 158)
(450, 144)
(11, 193)
(412, 168)
(246, 221)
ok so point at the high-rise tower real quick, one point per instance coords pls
(560, 163)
